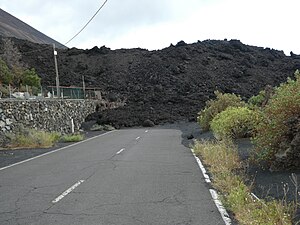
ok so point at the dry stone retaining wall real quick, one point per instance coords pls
(49, 115)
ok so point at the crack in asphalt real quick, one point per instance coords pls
(172, 200)
(134, 218)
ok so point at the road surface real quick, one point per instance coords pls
(134, 176)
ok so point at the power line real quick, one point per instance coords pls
(86, 23)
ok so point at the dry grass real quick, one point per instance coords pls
(33, 139)
(224, 164)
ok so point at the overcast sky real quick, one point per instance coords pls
(155, 24)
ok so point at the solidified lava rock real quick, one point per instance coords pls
(168, 85)
(148, 123)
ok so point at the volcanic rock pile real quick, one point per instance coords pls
(167, 85)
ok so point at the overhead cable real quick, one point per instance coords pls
(86, 23)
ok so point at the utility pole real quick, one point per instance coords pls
(56, 70)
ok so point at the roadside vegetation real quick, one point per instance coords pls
(31, 138)
(273, 130)
(214, 107)
(72, 138)
(265, 118)
(228, 177)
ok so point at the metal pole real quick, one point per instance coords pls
(83, 87)
(56, 70)
(9, 88)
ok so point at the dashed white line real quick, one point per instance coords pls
(137, 138)
(146, 131)
(65, 193)
(120, 151)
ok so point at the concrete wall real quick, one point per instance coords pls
(49, 115)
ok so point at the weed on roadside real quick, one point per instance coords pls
(228, 177)
(32, 139)
(72, 138)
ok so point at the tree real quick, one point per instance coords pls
(31, 78)
(11, 54)
(6, 76)
(13, 71)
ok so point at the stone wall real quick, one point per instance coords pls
(49, 115)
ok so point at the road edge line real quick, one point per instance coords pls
(202, 168)
(56, 150)
(213, 193)
(220, 206)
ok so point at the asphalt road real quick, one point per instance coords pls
(130, 176)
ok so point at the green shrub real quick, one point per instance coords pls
(33, 139)
(234, 122)
(72, 138)
(213, 107)
(271, 131)
(257, 100)
(31, 78)
(5, 73)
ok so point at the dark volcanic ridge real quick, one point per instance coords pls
(167, 85)
(11, 26)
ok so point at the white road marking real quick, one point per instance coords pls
(120, 151)
(220, 207)
(48, 153)
(146, 131)
(257, 198)
(137, 138)
(213, 193)
(206, 177)
(65, 193)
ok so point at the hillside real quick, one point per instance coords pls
(167, 85)
(10, 26)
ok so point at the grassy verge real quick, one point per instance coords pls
(39, 139)
(228, 177)
(33, 139)
(72, 138)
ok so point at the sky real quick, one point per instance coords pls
(155, 24)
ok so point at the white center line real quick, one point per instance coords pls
(137, 138)
(120, 151)
(65, 193)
